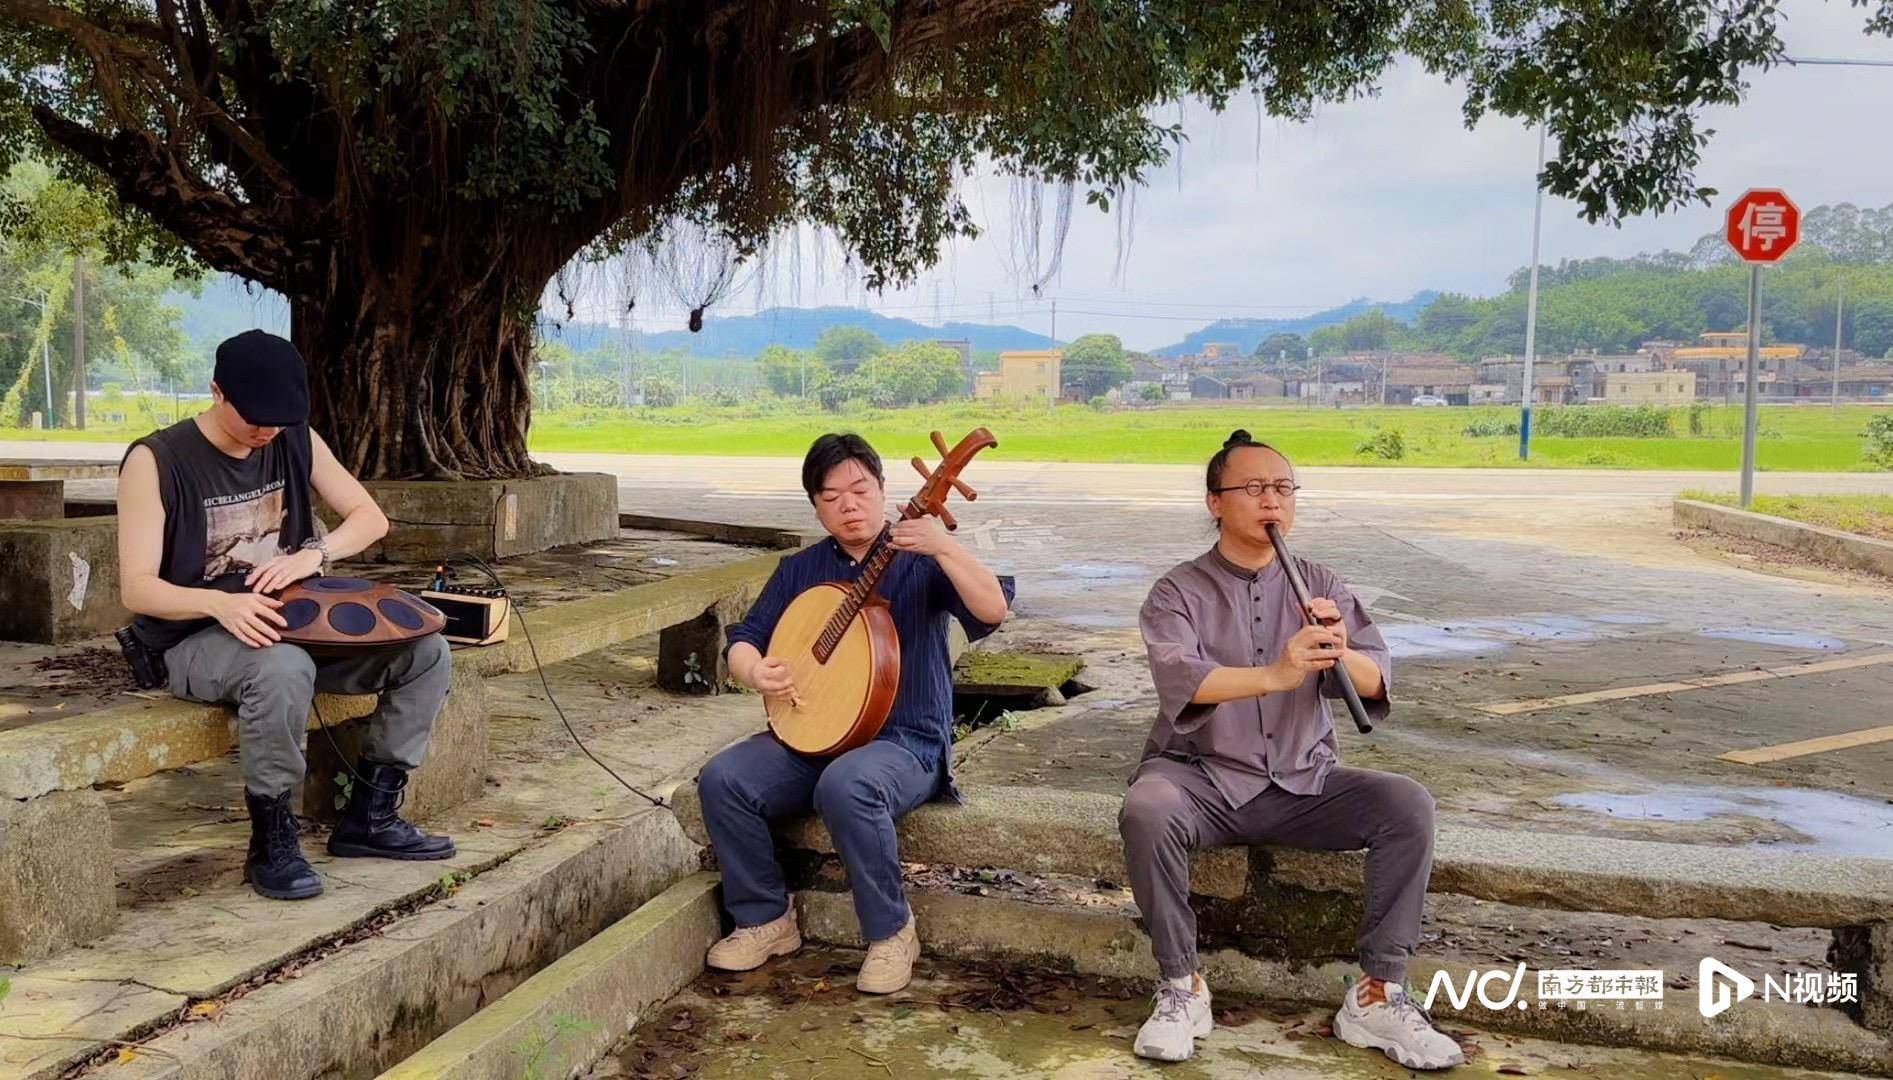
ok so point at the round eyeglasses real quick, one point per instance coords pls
(1283, 489)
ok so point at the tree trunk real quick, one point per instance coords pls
(423, 373)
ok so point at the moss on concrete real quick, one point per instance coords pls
(993, 672)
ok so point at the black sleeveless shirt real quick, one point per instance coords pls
(224, 516)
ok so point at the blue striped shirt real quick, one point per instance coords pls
(921, 598)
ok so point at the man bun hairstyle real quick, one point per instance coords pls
(1237, 440)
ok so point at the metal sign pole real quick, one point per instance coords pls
(1748, 387)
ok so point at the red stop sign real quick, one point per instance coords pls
(1763, 224)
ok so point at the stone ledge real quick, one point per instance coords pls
(1829, 545)
(576, 627)
(127, 742)
(612, 980)
(1109, 944)
(55, 874)
(38, 588)
(491, 518)
(1064, 832)
(1016, 828)
(727, 532)
(384, 998)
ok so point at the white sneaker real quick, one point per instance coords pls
(1178, 1020)
(1397, 1027)
(750, 947)
(889, 965)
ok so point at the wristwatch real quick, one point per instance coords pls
(321, 544)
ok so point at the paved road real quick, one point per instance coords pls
(1494, 586)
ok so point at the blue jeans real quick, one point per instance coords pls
(858, 795)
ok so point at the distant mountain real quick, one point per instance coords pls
(797, 328)
(228, 305)
(1248, 333)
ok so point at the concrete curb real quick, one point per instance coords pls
(1829, 545)
(1099, 943)
(768, 536)
(605, 985)
(1048, 831)
(369, 1006)
(576, 627)
(127, 742)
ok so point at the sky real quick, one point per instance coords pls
(1378, 198)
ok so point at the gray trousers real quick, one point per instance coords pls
(273, 689)
(1174, 808)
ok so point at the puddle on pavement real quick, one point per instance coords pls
(1836, 824)
(1494, 633)
(801, 1018)
(1419, 639)
(1787, 639)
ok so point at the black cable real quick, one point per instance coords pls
(343, 758)
(520, 610)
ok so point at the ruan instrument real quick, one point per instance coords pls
(327, 614)
(838, 638)
(1300, 589)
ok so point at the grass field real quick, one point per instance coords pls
(1865, 515)
(1793, 438)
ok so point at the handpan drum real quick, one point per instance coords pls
(345, 613)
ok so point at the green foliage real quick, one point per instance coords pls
(1153, 393)
(132, 332)
(1487, 427)
(915, 373)
(1280, 346)
(1389, 445)
(1616, 305)
(542, 1058)
(843, 348)
(1598, 421)
(1095, 363)
(1369, 331)
(1873, 325)
(1879, 436)
(789, 371)
(659, 392)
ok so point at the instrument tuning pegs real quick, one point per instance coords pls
(939, 443)
(966, 492)
(921, 468)
(947, 516)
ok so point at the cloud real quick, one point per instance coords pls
(1380, 197)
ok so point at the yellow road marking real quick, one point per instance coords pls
(1761, 755)
(1513, 708)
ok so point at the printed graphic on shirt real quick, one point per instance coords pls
(242, 532)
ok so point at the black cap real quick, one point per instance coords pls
(263, 378)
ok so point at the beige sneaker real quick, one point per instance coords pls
(890, 963)
(750, 947)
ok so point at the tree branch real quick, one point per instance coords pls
(236, 237)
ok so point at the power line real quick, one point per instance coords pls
(1828, 61)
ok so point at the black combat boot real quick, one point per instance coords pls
(275, 867)
(370, 828)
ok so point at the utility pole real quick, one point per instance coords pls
(1531, 305)
(78, 340)
(1840, 290)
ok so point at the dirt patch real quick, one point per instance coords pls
(1777, 561)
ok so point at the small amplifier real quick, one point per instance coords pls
(475, 616)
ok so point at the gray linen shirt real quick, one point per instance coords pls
(1210, 613)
